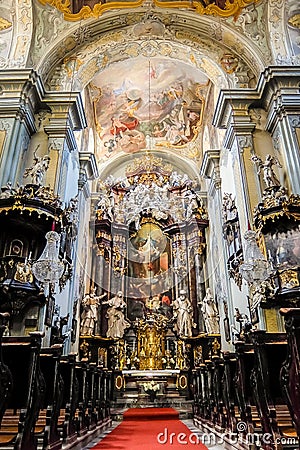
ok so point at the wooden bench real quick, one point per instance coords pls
(21, 355)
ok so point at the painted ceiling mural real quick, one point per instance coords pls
(147, 103)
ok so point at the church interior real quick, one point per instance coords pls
(150, 221)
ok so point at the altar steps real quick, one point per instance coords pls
(183, 406)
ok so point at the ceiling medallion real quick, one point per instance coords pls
(83, 9)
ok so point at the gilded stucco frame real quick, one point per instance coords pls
(232, 8)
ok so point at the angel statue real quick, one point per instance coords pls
(39, 167)
(269, 176)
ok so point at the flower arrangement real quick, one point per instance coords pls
(151, 386)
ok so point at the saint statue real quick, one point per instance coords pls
(183, 313)
(210, 313)
(117, 323)
(269, 175)
(38, 169)
(89, 314)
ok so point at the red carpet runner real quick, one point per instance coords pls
(150, 429)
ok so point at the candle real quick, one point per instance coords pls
(29, 257)
(167, 344)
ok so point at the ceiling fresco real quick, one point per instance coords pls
(145, 103)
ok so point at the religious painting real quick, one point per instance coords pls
(149, 270)
(140, 104)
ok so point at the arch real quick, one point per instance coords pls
(203, 37)
(118, 163)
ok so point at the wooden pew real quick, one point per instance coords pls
(218, 414)
(22, 356)
(49, 438)
(91, 396)
(6, 381)
(290, 372)
(83, 420)
(68, 423)
(228, 391)
(243, 387)
(270, 351)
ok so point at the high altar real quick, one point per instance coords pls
(149, 230)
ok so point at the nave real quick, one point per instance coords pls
(150, 221)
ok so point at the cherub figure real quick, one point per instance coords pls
(269, 176)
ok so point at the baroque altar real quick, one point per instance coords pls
(150, 303)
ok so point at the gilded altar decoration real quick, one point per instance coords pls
(148, 163)
(295, 21)
(215, 348)
(75, 10)
(36, 200)
(151, 341)
(198, 356)
(23, 273)
(102, 357)
(229, 63)
(84, 349)
(182, 355)
(289, 279)
(276, 204)
(151, 189)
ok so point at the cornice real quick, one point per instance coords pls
(21, 95)
(210, 167)
(65, 104)
(88, 164)
(275, 84)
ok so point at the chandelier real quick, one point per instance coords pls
(255, 267)
(48, 269)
